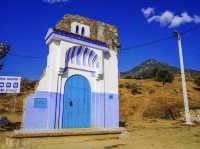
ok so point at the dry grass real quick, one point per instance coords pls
(7, 100)
(145, 115)
(148, 134)
(155, 100)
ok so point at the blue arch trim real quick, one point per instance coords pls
(78, 55)
(89, 58)
(82, 54)
(73, 53)
(94, 60)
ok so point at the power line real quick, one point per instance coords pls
(25, 56)
(22, 74)
(190, 30)
(145, 44)
(148, 43)
(159, 40)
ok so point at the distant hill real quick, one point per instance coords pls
(147, 68)
(153, 100)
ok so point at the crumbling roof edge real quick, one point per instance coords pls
(100, 43)
(100, 22)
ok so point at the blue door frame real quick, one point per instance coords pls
(76, 103)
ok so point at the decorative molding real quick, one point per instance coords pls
(58, 35)
(82, 56)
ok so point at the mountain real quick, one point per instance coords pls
(147, 68)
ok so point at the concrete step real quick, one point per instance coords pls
(26, 139)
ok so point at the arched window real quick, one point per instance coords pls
(77, 29)
(83, 31)
(81, 55)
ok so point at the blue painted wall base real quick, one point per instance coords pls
(104, 111)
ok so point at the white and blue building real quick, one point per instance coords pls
(79, 87)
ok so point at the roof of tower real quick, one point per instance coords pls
(99, 31)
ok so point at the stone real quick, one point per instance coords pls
(100, 31)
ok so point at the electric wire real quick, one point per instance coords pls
(145, 44)
(25, 56)
(160, 39)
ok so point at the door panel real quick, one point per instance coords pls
(77, 98)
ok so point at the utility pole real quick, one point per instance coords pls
(184, 86)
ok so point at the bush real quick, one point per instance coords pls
(122, 124)
(128, 77)
(133, 88)
(164, 76)
(121, 86)
(197, 81)
(4, 49)
(152, 91)
(128, 86)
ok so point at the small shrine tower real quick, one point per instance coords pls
(79, 87)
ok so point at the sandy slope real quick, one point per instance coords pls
(151, 134)
(142, 112)
(155, 100)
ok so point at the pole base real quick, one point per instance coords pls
(189, 124)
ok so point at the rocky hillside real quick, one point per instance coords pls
(153, 100)
(147, 68)
(139, 98)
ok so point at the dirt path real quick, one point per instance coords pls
(154, 134)
(164, 138)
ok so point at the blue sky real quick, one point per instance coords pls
(24, 24)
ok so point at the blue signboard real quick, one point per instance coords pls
(10, 84)
(40, 103)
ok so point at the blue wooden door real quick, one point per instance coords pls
(77, 98)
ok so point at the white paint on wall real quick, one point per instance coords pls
(56, 60)
(80, 29)
(111, 73)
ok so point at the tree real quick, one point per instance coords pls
(164, 76)
(4, 49)
(128, 77)
(197, 81)
(134, 88)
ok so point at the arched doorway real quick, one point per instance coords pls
(77, 98)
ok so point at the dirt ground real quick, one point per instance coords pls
(149, 134)
(140, 111)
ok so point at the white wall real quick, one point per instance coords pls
(48, 82)
(111, 73)
(56, 60)
(86, 28)
(105, 110)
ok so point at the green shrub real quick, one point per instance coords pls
(134, 91)
(128, 77)
(121, 86)
(127, 85)
(197, 81)
(152, 91)
(164, 76)
(122, 124)
(133, 88)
